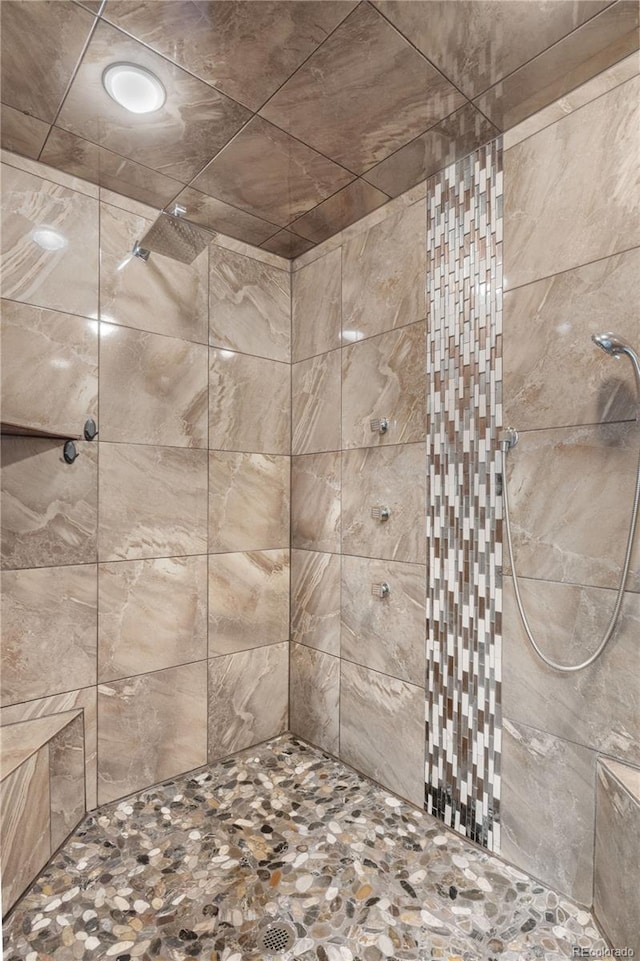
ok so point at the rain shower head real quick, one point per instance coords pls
(175, 237)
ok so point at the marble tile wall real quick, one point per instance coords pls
(571, 258)
(159, 560)
(358, 347)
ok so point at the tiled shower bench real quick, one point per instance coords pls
(42, 795)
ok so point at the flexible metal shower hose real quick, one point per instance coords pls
(570, 668)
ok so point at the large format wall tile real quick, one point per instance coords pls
(49, 508)
(315, 600)
(49, 244)
(569, 623)
(152, 614)
(248, 695)
(392, 477)
(24, 826)
(316, 393)
(59, 353)
(248, 502)
(385, 634)
(571, 493)
(84, 700)
(316, 307)
(153, 390)
(548, 807)
(66, 780)
(554, 376)
(383, 274)
(382, 729)
(21, 133)
(384, 377)
(152, 727)
(249, 305)
(315, 502)
(248, 600)
(49, 631)
(617, 856)
(153, 502)
(162, 295)
(315, 697)
(554, 219)
(249, 403)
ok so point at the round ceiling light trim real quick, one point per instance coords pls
(134, 88)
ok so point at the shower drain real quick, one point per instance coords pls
(276, 937)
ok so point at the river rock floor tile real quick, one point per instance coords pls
(194, 868)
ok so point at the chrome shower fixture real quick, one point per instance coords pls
(139, 251)
(173, 235)
(616, 346)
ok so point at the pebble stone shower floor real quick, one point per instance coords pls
(282, 832)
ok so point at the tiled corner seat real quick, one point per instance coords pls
(617, 859)
(42, 795)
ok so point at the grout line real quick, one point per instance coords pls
(568, 270)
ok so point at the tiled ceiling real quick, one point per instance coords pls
(287, 120)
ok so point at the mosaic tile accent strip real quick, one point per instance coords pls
(464, 410)
(282, 832)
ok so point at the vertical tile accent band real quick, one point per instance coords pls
(464, 525)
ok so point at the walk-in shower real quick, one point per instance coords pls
(615, 346)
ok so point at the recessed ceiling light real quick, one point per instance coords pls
(134, 88)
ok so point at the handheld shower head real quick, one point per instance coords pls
(616, 346)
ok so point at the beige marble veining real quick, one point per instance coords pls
(315, 600)
(596, 45)
(315, 502)
(223, 218)
(384, 377)
(24, 826)
(248, 502)
(21, 132)
(107, 169)
(152, 614)
(617, 855)
(178, 139)
(49, 253)
(600, 84)
(392, 477)
(248, 698)
(342, 209)
(42, 43)
(287, 244)
(131, 207)
(541, 387)
(84, 700)
(384, 275)
(316, 307)
(49, 508)
(249, 403)
(18, 741)
(254, 253)
(52, 174)
(59, 353)
(385, 634)
(66, 781)
(153, 389)
(329, 102)
(162, 295)
(382, 732)
(152, 727)
(554, 219)
(153, 502)
(571, 493)
(249, 305)
(315, 697)
(316, 396)
(248, 600)
(547, 808)
(49, 631)
(569, 622)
